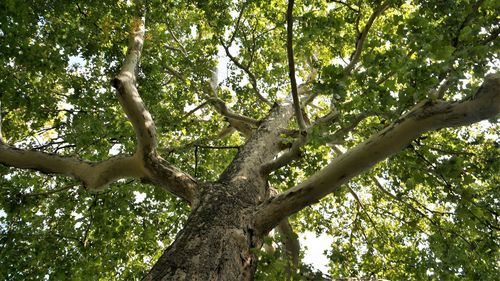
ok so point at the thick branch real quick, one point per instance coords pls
(424, 117)
(128, 95)
(291, 66)
(170, 178)
(94, 175)
(261, 148)
(158, 171)
(364, 34)
(144, 164)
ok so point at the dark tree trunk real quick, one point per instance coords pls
(217, 240)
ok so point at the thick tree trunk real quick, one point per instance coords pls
(217, 240)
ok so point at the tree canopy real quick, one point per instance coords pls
(209, 74)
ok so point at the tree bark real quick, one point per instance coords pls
(217, 241)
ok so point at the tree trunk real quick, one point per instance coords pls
(217, 240)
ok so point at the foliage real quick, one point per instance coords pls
(429, 213)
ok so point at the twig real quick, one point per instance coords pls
(238, 20)
(50, 191)
(182, 49)
(364, 209)
(346, 5)
(195, 109)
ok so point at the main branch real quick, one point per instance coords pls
(144, 164)
(128, 95)
(158, 171)
(424, 117)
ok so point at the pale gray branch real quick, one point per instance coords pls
(145, 164)
(424, 117)
(128, 95)
(94, 175)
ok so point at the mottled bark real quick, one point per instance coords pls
(217, 241)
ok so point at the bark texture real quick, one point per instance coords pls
(217, 241)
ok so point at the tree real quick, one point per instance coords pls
(332, 116)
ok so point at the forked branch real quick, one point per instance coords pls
(145, 164)
(362, 37)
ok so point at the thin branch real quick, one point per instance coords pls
(339, 135)
(173, 49)
(493, 36)
(195, 109)
(174, 73)
(91, 222)
(291, 66)
(345, 5)
(362, 37)
(251, 76)
(362, 206)
(450, 152)
(238, 21)
(474, 9)
(292, 246)
(222, 109)
(425, 116)
(182, 49)
(395, 198)
(50, 191)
